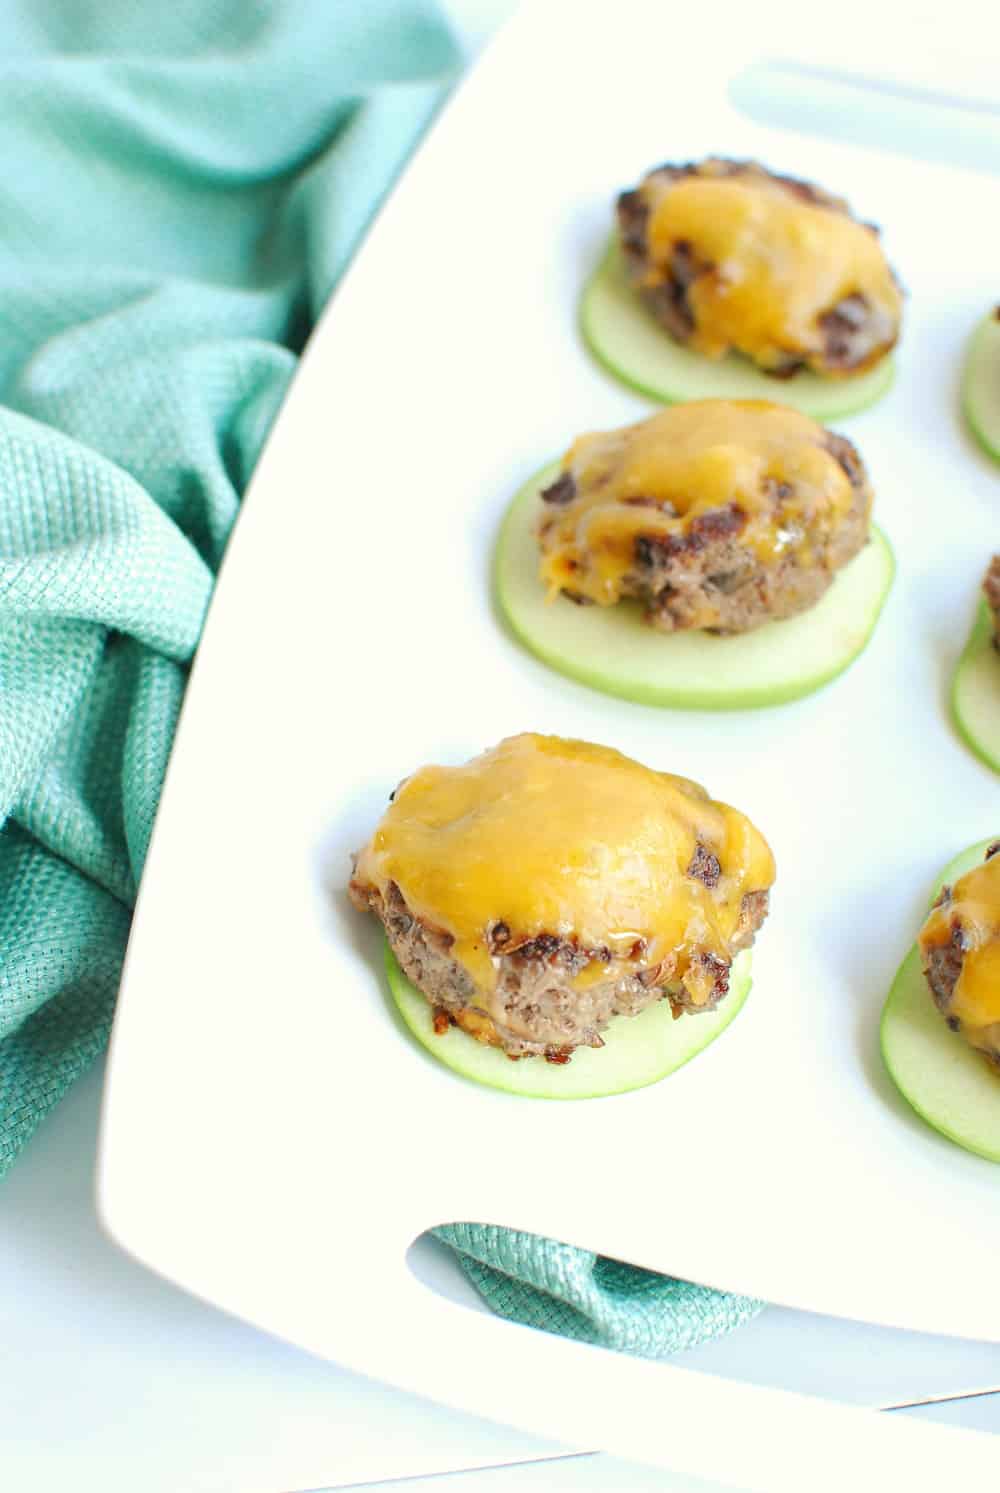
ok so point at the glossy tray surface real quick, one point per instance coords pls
(272, 1140)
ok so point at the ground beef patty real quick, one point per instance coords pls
(546, 1015)
(785, 505)
(991, 590)
(956, 944)
(760, 263)
(547, 885)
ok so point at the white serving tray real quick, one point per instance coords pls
(272, 1140)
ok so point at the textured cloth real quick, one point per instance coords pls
(588, 1297)
(182, 185)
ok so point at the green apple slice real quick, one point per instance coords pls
(981, 384)
(626, 339)
(638, 1050)
(975, 691)
(936, 1071)
(612, 649)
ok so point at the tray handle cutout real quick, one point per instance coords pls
(950, 129)
(725, 1432)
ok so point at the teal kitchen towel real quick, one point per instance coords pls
(182, 186)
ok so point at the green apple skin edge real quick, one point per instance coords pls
(613, 650)
(630, 344)
(938, 1074)
(975, 692)
(981, 384)
(638, 1050)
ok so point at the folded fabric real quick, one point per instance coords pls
(586, 1296)
(182, 186)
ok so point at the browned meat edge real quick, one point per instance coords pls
(534, 974)
(991, 590)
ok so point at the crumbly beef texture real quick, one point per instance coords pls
(854, 335)
(942, 964)
(547, 1017)
(991, 590)
(708, 578)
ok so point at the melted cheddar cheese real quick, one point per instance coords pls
(779, 263)
(974, 909)
(654, 479)
(549, 836)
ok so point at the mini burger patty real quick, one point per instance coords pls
(729, 256)
(991, 590)
(716, 515)
(960, 952)
(537, 1011)
(549, 885)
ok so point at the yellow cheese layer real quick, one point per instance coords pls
(975, 907)
(553, 836)
(779, 263)
(686, 461)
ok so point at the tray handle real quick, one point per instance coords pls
(726, 1431)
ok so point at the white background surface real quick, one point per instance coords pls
(114, 1381)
